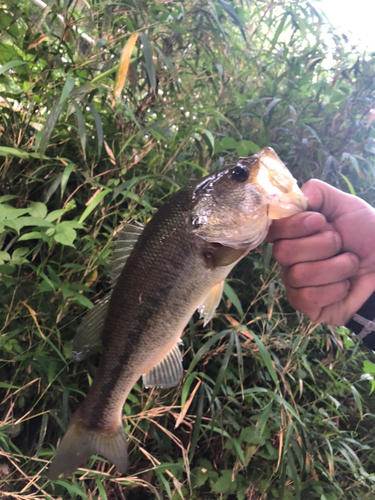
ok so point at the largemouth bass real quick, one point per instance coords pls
(178, 264)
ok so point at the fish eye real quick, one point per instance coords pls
(240, 173)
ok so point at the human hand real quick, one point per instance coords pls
(327, 258)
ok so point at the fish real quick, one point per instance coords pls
(162, 273)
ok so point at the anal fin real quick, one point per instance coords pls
(168, 372)
(87, 339)
(207, 309)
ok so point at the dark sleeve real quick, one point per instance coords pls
(363, 323)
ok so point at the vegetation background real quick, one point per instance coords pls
(107, 108)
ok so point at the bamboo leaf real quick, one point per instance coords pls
(81, 126)
(150, 67)
(232, 296)
(99, 127)
(49, 126)
(124, 65)
(68, 87)
(93, 204)
(6, 151)
(271, 105)
(266, 358)
(10, 65)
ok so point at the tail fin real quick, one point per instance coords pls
(79, 443)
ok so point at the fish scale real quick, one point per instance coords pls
(178, 264)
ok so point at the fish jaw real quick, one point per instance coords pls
(278, 186)
(291, 203)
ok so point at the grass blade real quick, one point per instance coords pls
(266, 358)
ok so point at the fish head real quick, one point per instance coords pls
(236, 206)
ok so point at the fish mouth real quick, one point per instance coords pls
(288, 204)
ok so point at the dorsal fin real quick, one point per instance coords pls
(126, 238)
(87, 339)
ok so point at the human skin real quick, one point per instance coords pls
(327, 254)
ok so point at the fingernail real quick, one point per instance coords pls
(354, 258)
(314, 222)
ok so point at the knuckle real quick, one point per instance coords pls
(334, 241)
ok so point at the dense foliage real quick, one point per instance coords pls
(92, 134)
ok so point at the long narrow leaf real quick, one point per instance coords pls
(150, 67)
(266, 358)
(99, 127)
(95, 201)
(10, 65)
(124, 65)
(49, 126)
(68, 87)
(81, 126)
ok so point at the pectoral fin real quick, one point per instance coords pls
(207, 309)
(168, 372)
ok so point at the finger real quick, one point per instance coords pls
(318, 247)
(311, 300)
(322, 272)
(296, 226)
(339, 313)
(329, 201)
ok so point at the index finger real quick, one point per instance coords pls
(296, 226)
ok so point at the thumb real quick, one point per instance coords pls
(329, 201)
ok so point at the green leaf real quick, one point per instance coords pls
(38, 209)
(150, 68)
(93, 204)
(69, 84)
(232, 296)
(52, 216)
(357, 399)
(99, 127)
(225, 483)
(6, 151)
(10, 65)
(368, 367)
(223, 368)
(210, 138)
(65, 177)
(271, 105)
(7, 197)
(65, 235)
(266, 358)
(81, 126)
(349, 184)
(52, 118)
(33, 235)
(205, 348)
